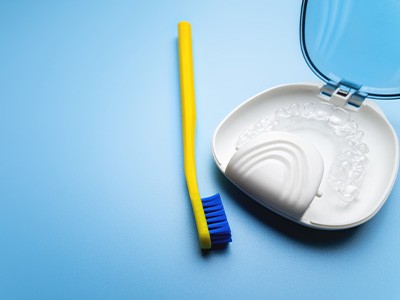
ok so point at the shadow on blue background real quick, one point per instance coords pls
(300, 234)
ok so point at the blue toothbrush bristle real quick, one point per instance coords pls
(218, 226)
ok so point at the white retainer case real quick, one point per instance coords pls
(323, 155)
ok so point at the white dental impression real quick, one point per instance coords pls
(348, 170)
(280, 168)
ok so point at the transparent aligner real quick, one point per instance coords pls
(283, 118)
(348, 192)
(322, 111)
(349, 128)
(362, 148)
(294, 110)
(345, 179)
(355, 136)
(338, 118)
(347, 172)
(244, 137)
(308, 111)
(262, 126)
(349, 169)
(346, 144)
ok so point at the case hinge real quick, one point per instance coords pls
(343, 89)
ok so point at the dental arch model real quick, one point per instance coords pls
(346, 173)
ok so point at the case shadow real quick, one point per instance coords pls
(296, 232)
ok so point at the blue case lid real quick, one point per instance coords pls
(354, 43)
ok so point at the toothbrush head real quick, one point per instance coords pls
(220, 232)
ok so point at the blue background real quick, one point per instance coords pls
(93, 202)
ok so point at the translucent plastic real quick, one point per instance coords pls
(355, 42)
(348, 170)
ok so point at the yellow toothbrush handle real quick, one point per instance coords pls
(189, 128)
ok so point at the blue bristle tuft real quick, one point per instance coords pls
(217, 222)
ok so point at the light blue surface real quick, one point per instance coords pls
(93, 203)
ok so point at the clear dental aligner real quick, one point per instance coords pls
(348, 170)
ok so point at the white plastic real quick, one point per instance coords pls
(347, 172)
(305, 206)
(278, 169)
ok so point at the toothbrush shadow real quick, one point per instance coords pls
(216, 250)
(299, 233)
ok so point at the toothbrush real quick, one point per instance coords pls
(212, 225)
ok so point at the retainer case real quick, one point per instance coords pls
(323, 155)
